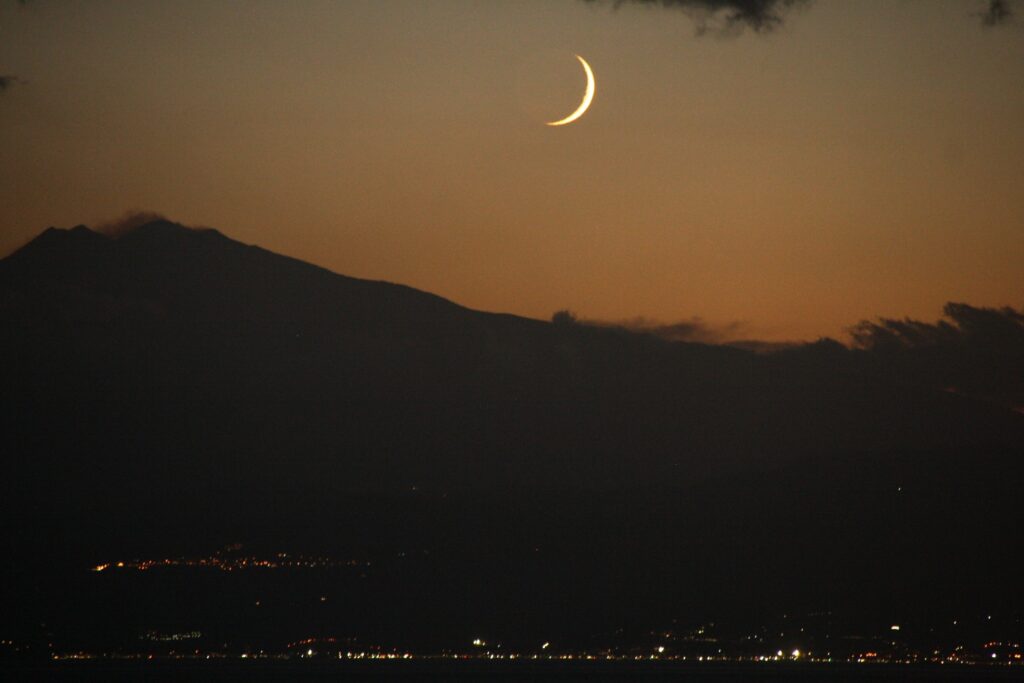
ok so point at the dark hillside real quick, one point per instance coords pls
(175, 388)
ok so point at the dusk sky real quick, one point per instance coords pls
(863, 158)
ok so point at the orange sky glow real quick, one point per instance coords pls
(863, 159)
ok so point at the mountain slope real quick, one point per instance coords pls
(173, 386)
(206, 330)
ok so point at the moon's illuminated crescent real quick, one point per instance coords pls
(588, 97)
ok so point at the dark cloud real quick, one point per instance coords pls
(765, 347)
(997, 13)
(724, 15)
(973, 351)
(128, 221)
(8, 80)
(133, 219)
(963, 325)
(690, 330)
(764, 15)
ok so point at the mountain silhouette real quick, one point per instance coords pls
(171, 386)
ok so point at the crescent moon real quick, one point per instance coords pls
(588, 97)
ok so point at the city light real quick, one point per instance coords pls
(227, 563)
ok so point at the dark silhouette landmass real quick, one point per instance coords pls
(169, 390)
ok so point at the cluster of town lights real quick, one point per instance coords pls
(227, 563)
